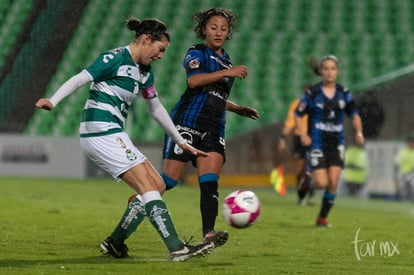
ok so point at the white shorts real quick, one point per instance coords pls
(114, 153)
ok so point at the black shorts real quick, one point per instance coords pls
(204, 141)
(329, 156)
(299, 151)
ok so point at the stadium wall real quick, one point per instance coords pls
(54, 157)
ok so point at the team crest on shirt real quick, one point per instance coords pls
(194, 64)
(301, 107)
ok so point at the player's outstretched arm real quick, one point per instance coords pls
(242, 110)
(70, 86)
(158, 112)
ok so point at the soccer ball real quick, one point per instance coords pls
(241, 208)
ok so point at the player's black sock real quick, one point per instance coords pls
(208, 202)
(327, 203)
(303, 186)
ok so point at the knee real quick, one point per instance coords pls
(320, 184)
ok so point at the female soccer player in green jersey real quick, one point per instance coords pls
(117, 77)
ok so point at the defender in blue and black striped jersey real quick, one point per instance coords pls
(326, 116)
(202, 109)
(326, 105)
(200, 113)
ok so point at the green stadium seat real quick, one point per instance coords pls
(274, 40)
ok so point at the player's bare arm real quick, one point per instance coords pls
(198, 80)
(242, 110)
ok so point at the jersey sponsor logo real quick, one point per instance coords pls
(194, 64)
(217, 94)
(183, 130)
(328, 127)
(227, 66)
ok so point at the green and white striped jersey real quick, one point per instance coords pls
(116, 81)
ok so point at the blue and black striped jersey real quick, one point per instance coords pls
(326, 115)
(204, 108)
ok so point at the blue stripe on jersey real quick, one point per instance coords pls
(202, 107)
(193, 110)
(326, 115)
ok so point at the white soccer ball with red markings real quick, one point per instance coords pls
(241, 208)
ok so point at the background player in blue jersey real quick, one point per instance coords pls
(117, 77)
(199, 116)
(326, 104)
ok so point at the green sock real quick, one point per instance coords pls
(132, 217)
(160, 218)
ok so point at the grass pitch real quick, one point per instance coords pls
(54, 226)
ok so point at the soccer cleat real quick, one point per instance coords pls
(322, 222)
(108, 248)
(189, 251)
(301, 202)
(218, 238)
(310, 201)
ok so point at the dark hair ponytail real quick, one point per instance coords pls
(154, 27)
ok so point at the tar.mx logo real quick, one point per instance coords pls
(364, 248)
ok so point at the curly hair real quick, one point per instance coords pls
(201, 18)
